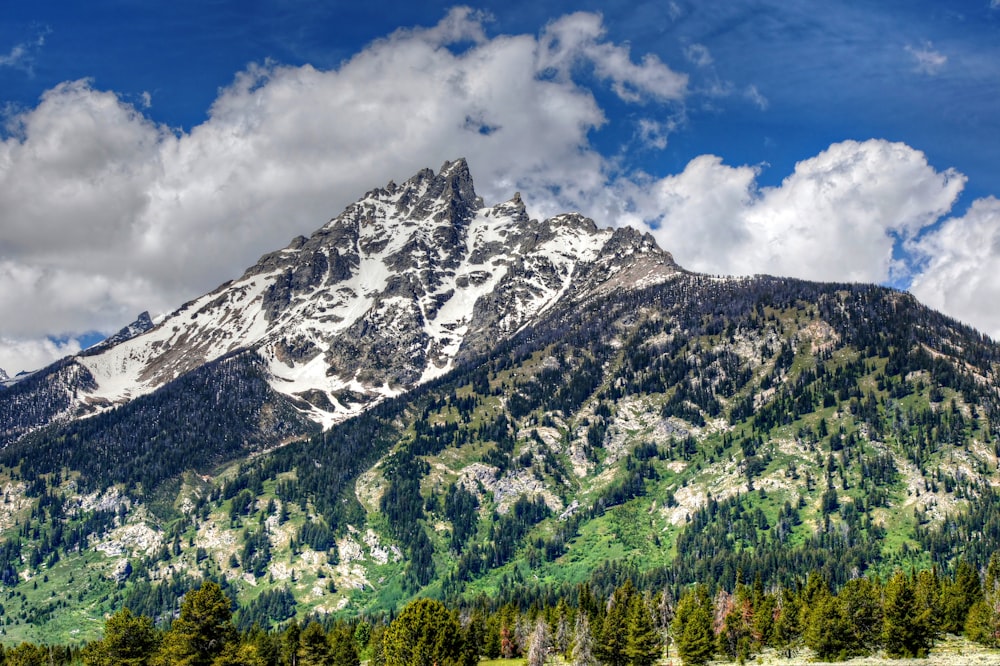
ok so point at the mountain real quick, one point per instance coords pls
(431, 396)
(405, 284)
(3, 376)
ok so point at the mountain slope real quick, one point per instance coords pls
(563, 405)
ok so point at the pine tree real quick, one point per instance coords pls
(203, 630)
(692, 626)
(614, 631)
(128, 640)
(343, 649)
(696, 644)
(266, 645)
(983, 621)
(474, 638)
(424, 634)
(827, 630)
(643, 643)
(788, 626)
(907, 627)
(562, 634)
(960, 596)
(314, 649)
(983, 624)
(736, 637)
(860, 603)
(290, 643)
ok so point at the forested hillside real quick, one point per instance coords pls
(721, 432)
(591, 623)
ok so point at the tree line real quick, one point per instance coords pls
(626, 626)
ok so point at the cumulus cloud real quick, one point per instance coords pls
(837, 217)
(960, 274)
(578, 38)
(926, 59)
(108, 214)
(24, 354)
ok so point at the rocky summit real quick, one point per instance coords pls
(405, 284)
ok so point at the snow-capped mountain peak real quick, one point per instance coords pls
(405, 283)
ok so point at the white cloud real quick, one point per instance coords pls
(698, 55)
(21, 56)
(837, 217)
(654, 133)
(24, 354)
(961, 270)
(927, 60)
(15, 57)
(108, 214)
(577, 38)
(755, 97)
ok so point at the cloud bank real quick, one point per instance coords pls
(108, 213)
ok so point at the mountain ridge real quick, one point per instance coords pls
(407, 281)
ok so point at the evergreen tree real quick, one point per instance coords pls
(983, 621)
(696, 644)
(929, 592)
(202, 631)
(290, 644)
(828, 631)
(344, 650)
(26, 654)
(736, 638)
(964, 592)
(424, 634)
(314, 649)
(860, 603)
(376, 646)
(474, 638)
(265, 645)
(765, 611)
(614, 631)
(907, 627)
(692, 626)
(128, 641)
(240, 654)
(643, 645)
(562, 634)
(983, 624)
(788, 626)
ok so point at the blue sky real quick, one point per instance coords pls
(153, 150)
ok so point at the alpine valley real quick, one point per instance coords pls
(432, 397)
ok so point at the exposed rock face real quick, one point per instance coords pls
(142, 324)
(405, 283)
